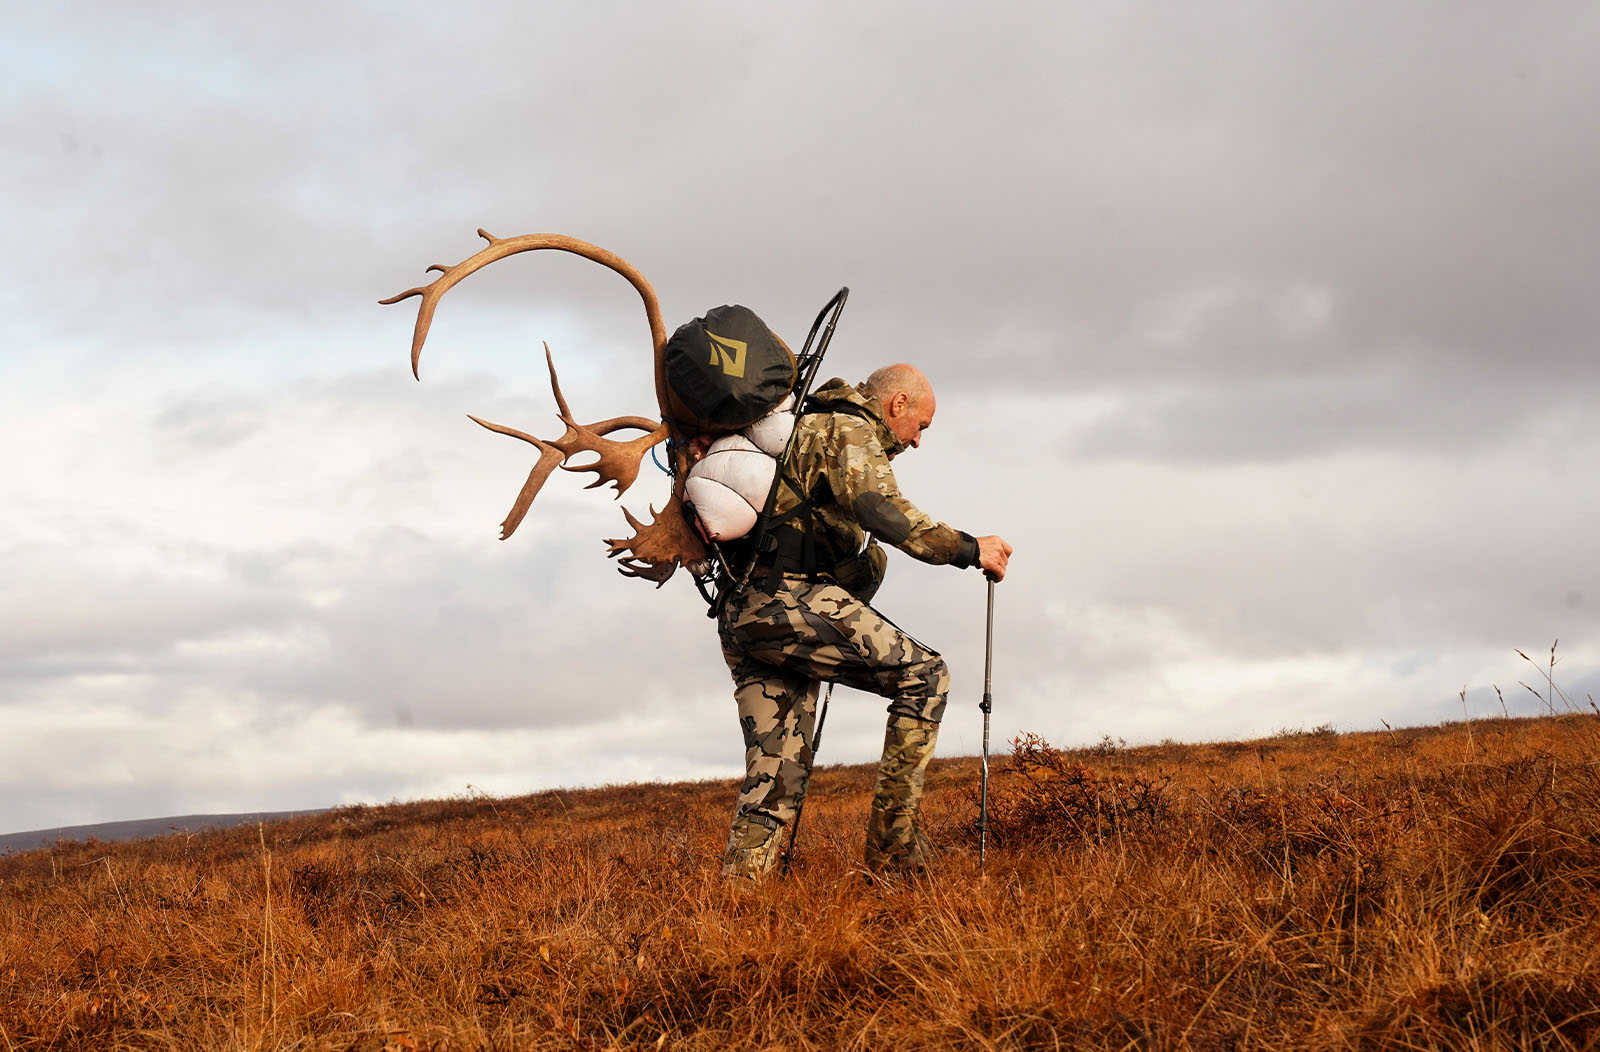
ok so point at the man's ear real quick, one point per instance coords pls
(897, 403)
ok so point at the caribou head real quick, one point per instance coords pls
(656, 549)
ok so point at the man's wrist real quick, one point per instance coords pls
(967, 555)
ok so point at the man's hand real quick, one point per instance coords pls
(993, 554)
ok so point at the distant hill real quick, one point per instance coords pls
(136, 829)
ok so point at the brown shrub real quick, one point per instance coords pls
(1055, 800)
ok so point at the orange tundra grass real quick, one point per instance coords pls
(1421, 888)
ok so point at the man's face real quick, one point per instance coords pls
(908, 418)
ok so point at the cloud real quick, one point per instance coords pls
(1266, 335)
(303, 570)
(1022, 171)
(323, 519)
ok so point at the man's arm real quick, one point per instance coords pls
(863, 483)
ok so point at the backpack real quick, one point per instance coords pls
(725, 370)
(745, 419)
(730, 383)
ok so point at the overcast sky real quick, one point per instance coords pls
(1266, 332)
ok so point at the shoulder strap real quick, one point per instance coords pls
(814, 404)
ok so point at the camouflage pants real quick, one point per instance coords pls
(778, 647)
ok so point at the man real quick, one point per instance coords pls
(804, 617)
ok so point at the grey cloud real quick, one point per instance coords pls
(212, 424)
(383, 619)
(392, 624)
(1464, 544)
(488, 639)
(62, 605)
(1064, 173)
(1268, 419)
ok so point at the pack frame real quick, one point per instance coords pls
(720, 569)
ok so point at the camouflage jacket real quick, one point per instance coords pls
(841, 459)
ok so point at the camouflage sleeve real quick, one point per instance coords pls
(862, 481)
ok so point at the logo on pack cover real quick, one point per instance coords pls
(728, 353)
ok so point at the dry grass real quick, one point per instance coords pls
(1426, 888)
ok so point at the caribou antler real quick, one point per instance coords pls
(500, 248)
(657, 549)
(616, 462)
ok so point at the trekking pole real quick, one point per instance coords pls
(986, 704)
(799, 808)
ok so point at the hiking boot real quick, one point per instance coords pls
(910, 858)
(753, 846)
(895, 841)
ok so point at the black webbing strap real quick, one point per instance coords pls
(791, 539)
(773, 542)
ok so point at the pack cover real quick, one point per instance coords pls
(725, 371)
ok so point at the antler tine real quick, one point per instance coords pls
(615, 462)
(659, 548)
(501, 429)
(530, 489)
(499, 248)
(550, 458)
(659, 573)
(555, 386)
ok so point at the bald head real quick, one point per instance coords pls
(899, 378)
(906, 398)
